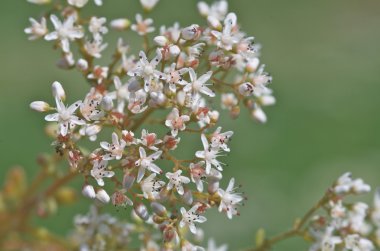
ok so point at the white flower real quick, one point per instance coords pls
(90, 104)
(246, 89)
(148, 4)
(36, 30)
(121, 94)
(95, 48)
(190, 217)
(99, 171)
(229, 199)
(97, 28)
(151, 186)
(137, 101)
(199, 84)
(65, 116)
(218, 9)
(176, 122)
(197, 174)
(146, 162)
(176, 180)
(219, 140)
(227, 39)
(356, 243)
(115, 149)
(346, 184)
(77, 3)
(99, 73)
(147, 70)
(209, 155)
(142, 27)
(375, 216)
(65, 32)
(149, 140)
(174, 76)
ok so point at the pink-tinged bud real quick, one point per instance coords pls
(148, 5)
(82, 64)
(191, 32)
(88, 191)
(174, 50)
(188, 197)
(214, 23)
(40, 106)
(120, 24)
(107, 103)
(267, 100)
(158, 209)
(246, 89)
(141, 211)
(58, 90)
(252, 64)
(160, 40)
(259, 115)
(102, 196)
(169, 233)
(128, 181)
(213, 187)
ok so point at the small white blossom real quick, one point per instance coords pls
(151, 186)
(199, 84)
(189, 218)
(36, 30)
(218, 9)
(176, 122)
(176, 180)
(115, 149)
(356, 243)
(198, 174)
(227, 39)
(229, 199)
(209, 155)
(142, 27)
(97, 28)
(219, 140)
(99, 171)
(146, 162)
(64, 32)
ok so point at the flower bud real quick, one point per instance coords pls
(102, 196)
(213, 187)
(107, 103)
(188, 197)
(88, 191)
(252, 64)
(160, 40)
(58, 91)
(214, 22)
(203, 9)
(174, 50)
(82, 64)
(158, 208)
(141, 211)
(267, 100)
(128, 181)
(191, 32)
(78, 3)
(92, 130)
(259, 115)
(39, 1)
(148, 5)
(246, 89)
(169, 233)
(120, 24)
(40, 106)
(214, 116)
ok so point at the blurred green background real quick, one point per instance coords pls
(325, 59)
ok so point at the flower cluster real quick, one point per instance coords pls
(181, 72)
(346, 225)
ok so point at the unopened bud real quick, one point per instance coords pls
(158, 208)
(252, 64)
(88, 191)
(188, 197)
(214, 22)
(259, 115)
(160, 40)
(148, 5)
(191, 32)
(107, 103)
(82, 64)
(141, 211)
(102, 196)
(267, 100)
(213, 187)
(40, 106)
(58, 90)
(128, 181)
(120, 24)
(246, 89)
(174, 50)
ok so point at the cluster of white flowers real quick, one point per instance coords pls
(347, 225)
(181, 73)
